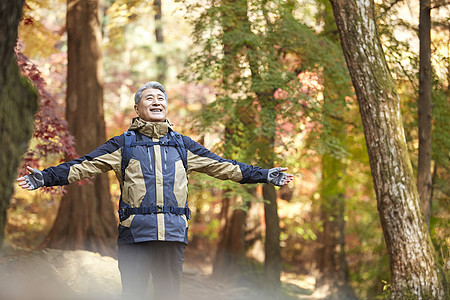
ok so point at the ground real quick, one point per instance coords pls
(81, 275)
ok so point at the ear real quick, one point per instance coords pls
(136, 109)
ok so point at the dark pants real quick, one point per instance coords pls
(164, 260)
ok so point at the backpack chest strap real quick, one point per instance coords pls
(124, 213)
(151, 143)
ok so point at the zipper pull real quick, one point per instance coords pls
(165, 157)
(150, 159)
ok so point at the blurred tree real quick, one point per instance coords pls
(18, 104)
(424, 183)
(85, 215)
(413, 266)
(333, 281)
(230, 254)
(50, 129)
(262, 55)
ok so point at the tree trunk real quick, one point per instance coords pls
(18, 105)
(161, 62)
(85, 219)
(230, 249)
(424, 184)
(268, 114)
(414, 271)
(272, 260)
(272, 249)
(333, 281)
(230, 253)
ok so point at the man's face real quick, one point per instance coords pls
(153, 106)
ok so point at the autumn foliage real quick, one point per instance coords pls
(51, 136)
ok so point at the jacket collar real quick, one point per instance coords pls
(151, 129)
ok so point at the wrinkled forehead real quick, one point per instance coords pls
(152, 92)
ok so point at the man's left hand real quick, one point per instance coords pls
(277, 176)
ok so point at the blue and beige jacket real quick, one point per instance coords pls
(153, 203)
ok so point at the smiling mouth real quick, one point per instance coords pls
(156, 110)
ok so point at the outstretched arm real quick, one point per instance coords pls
(104, 158)
(202, 160)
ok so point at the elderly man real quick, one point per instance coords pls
(151, 162)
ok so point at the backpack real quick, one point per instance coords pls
(130, 141)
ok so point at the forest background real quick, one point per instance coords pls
(311, 123)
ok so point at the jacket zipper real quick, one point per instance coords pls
(150, 159)
(165, 157)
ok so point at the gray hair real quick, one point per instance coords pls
(149, 85)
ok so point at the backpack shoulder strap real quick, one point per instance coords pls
(180, 147)
(130, 137)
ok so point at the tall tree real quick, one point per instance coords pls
(230, 255)
(333, 281)
(272, 249)
(18, 104)
(414, 270)
(85, 219)
(424, 184)
(264, 90)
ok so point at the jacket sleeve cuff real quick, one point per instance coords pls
(258, 175)
(46, 177)
(265, 174)
(51, 179)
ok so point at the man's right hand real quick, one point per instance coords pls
(31, 181)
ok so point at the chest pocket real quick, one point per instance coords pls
(134, 185)
(180, 187)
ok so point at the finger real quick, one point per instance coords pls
(287, 179)
(282, 169)
(24, 186)
(20, 179)
(23, 183)
(30, 169)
